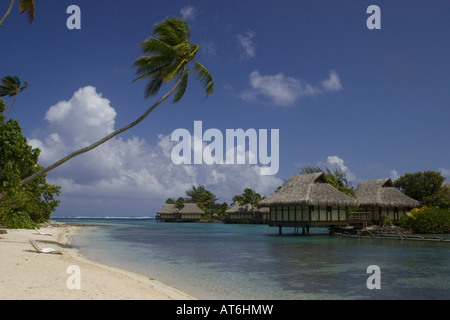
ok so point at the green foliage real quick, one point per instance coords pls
(387, 222)
(10, 87)
(179, 203)
(249, 196)
(17, 158)
(422, 186)
(170, 53)
(18, 220)
(33, 202)
(205, 199)
(170, 201)
(432, 220)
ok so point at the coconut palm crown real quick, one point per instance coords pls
(170, 55)
(11, 87)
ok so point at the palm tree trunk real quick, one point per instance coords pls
(101, 141)
(7, 12)
(10, 108)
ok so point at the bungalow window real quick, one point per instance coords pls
(312, 213)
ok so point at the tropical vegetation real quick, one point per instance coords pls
(205, 200)
(426, 187)
(432, 220)
(23, 206)
(249, 196)
(168, 57)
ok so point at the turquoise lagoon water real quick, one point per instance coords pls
(222, 261)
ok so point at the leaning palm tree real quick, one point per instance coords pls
(24, 6)
(170, 57)
(11, 87)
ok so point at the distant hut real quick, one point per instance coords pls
(168, 213)
(240, 213)
(379, 198)
(190, 212)
(308, 200)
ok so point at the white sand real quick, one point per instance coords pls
(26, 274)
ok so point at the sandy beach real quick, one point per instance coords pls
(26, 274)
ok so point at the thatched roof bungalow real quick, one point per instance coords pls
(308, 200)
(190, 212)
(245, 213)
(379, 198)
(167, 213)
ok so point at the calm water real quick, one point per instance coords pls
(220, 261)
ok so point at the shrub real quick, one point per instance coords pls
(387, 222)
(427, 220)
(18, 220)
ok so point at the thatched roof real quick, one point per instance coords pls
(238, 208)
(381, 193)
(188, 208)
(191, 208)
(308, 189)
(168, 208)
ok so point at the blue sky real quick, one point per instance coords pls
(373, 102)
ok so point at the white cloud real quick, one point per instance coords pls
(247, 43)
(394, 175)
(188, 12)
(127, 169)
(335, 161)
(445, 172)
(333, 83)
(283, 90)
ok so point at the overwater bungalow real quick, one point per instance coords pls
(190, 212)
(379, 198)
(168, 213)
(246, 213)
(308, 200)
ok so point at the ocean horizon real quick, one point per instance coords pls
(252, 262)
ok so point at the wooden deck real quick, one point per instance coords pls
(394, 237)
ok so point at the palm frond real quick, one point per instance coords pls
(11, 86)
(173, 31)
(151, 66)
(157, 46)
(170, 53)
(153, 87)
(205, 78)
(179, 93)
(169, 73)
(28, 6)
